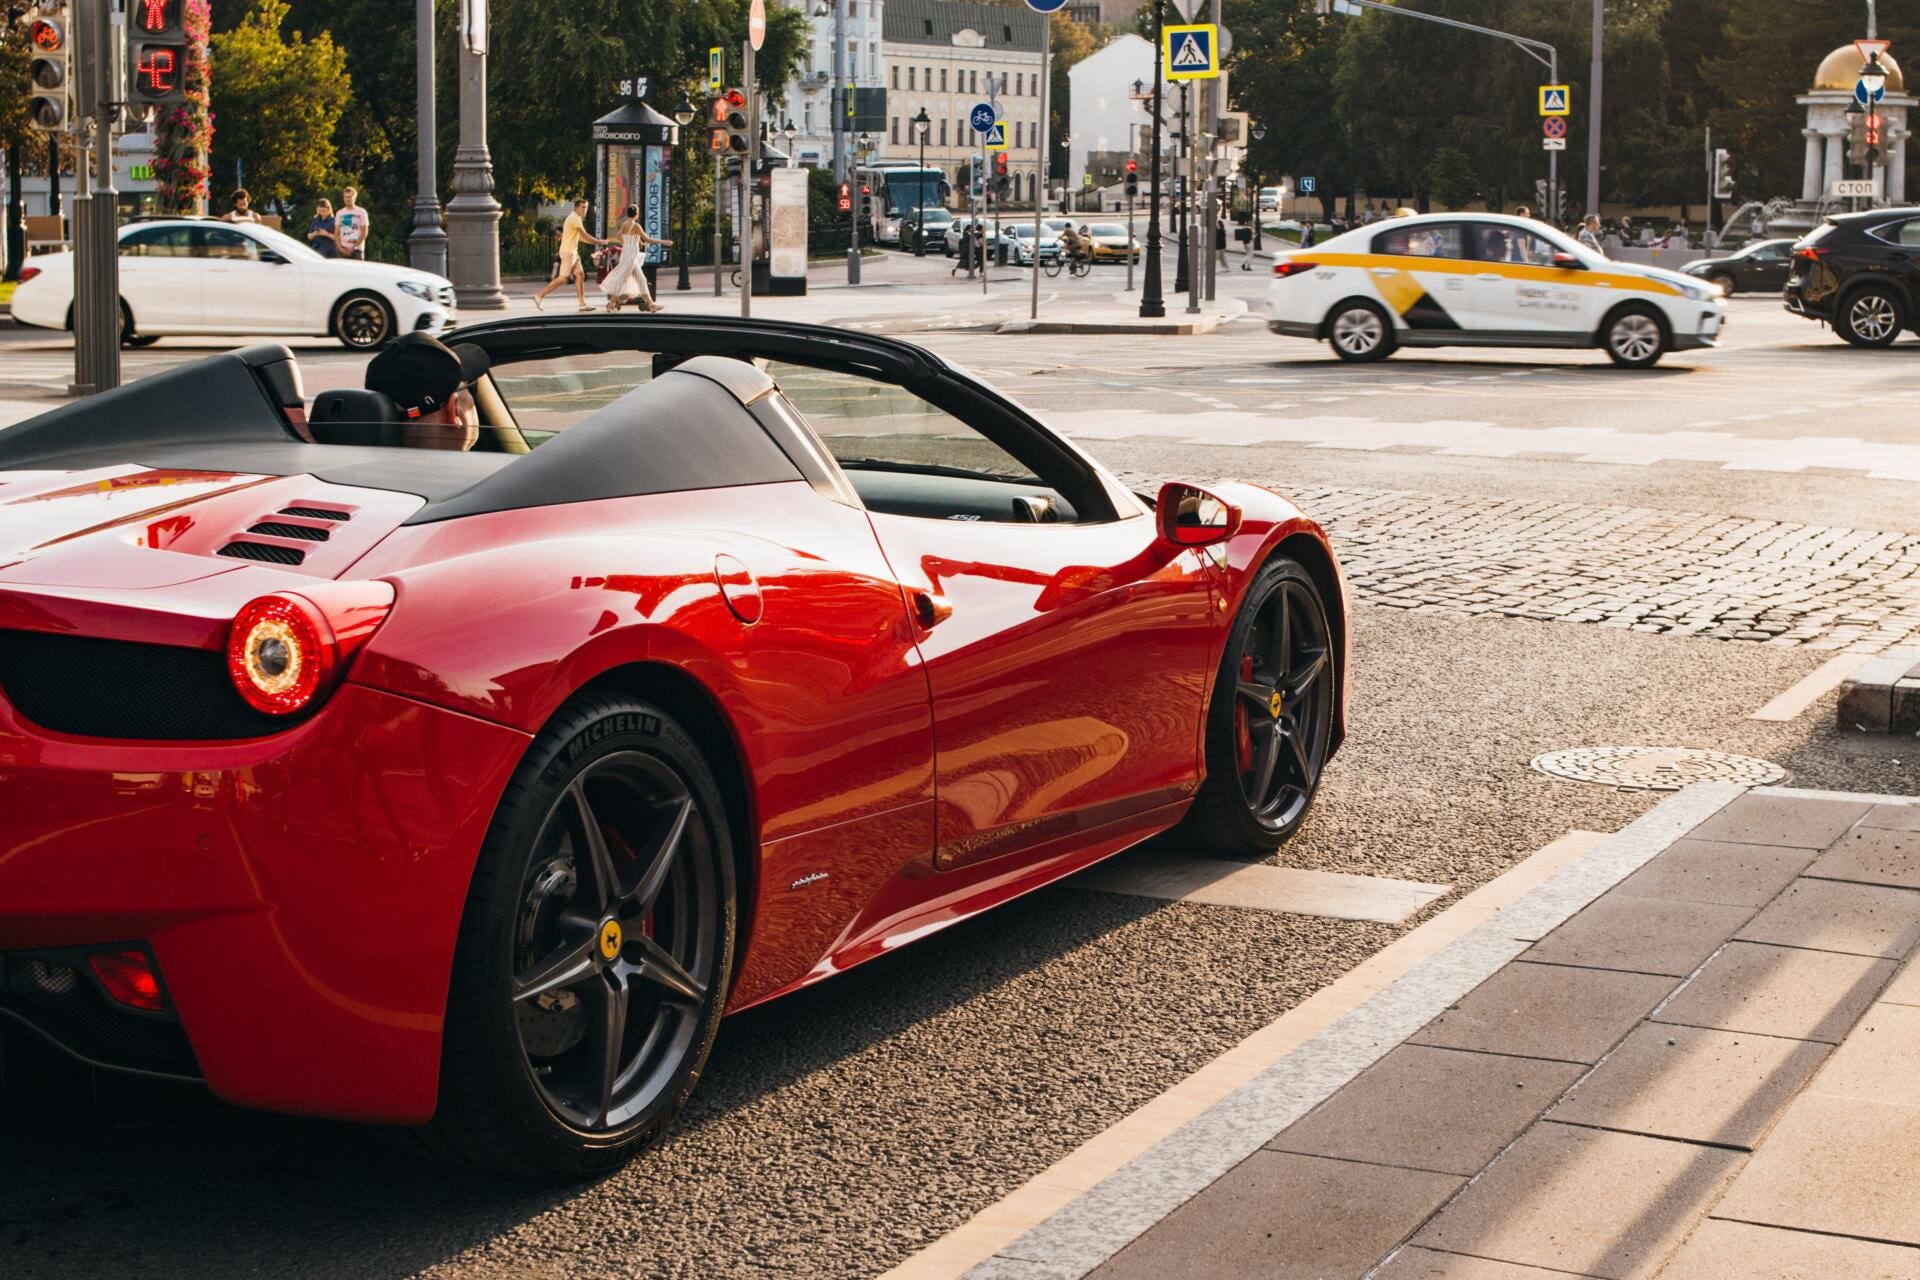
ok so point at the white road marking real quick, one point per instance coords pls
(1260, 887)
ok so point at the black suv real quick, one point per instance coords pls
(1860, 273)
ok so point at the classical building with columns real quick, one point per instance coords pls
(1826, 131)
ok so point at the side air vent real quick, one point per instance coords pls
(317, 513)
(279, 529)
(242, 549)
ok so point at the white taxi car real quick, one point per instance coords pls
(1484, 280)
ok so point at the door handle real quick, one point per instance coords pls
(1489, 275)
(930, 609)
(1385, 271)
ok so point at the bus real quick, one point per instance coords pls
(900, 187)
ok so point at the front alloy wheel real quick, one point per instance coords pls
(362, 322)
(1270, 726)
(1360, 332)
(595, 951)
(1635, 339)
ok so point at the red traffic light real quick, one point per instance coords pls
(865, 190)
(1000, 162)
(735, 98)
(717, 109)
(46, 37)
(157, 17)
(1133, 166)
(846, 198)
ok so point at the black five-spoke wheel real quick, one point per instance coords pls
(594, 955)
(1271, 724)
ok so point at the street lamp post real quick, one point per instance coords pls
(683, 117)
(788, 132)
(473, 215)
(1259, 135)
(1152, 304)
(924, 123)
(427, 241)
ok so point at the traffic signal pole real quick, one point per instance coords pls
(1040, 191)
(96, 297)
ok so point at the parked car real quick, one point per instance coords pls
(936, 221)
(1860, 273)
(1017, 238)
(197, 276)
(1762, 266)
(1270, 198)
(1484, 280)
(467, 791)
(950, 238)
(1111, 243)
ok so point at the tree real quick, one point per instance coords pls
(1450, 178)
(14, 135)
(281, 96)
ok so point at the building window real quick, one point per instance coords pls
(1019, 85)
(943, 79)
(806, 113)
(896, 76)
(1019, 133)
(929, 26)
(894, 130)
(1006, 33)
(943, 131)
(853, 9)
(910, 76)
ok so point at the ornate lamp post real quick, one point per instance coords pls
(473, 215)
(1153, 304)
(923, 124)
(427, 241)
(788, 132)
(1259, 135)
(682, 116)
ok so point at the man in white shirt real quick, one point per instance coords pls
(350, 225)
(568, 267)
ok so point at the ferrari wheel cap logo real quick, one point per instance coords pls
(610, 939)
(1273, 704)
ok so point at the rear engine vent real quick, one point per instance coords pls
(242, 549)
(277, 529)
(120, 689)
(317, 513)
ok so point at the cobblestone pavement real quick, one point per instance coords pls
(1723, 577)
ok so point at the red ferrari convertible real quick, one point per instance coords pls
(467, 790)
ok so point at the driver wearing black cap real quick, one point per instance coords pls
(431, 382)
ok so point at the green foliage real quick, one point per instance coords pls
(13, 88)
(1450, 178)
(183, 134)
(279, 96)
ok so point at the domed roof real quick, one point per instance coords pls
(1841, 68)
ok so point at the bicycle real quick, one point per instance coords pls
(1051, 266)
(1081, 265)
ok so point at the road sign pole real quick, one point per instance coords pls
(96, 311)
(1593, 106)
(719, 210)
(1553, 157)
(747, 167)
(1040, 175)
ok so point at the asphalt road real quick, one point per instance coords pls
(842, 1128)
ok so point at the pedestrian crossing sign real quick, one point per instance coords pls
(1192, 52)
(1556, 100)
(714, 66)
(997, 136)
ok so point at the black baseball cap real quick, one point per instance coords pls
(421, 373)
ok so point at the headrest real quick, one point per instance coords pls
(353, 416)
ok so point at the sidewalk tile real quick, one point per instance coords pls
(1738, 875)
(1784, 820)
(1893, 817)
(1584, 1200)
(1693, 1083)
(1779, 991)
(1839, 1165)
(1547, 1011)
(1742, 1251)
(1427, 1264)
(1832, 915)
(1279, 1216)
(1904, 989)
(1434, 1109)
(1879, 1060)
(1872, 856)
(1641, 935)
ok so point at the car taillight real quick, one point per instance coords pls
(1812, 253)
(129, 977)
(1284, 267)
(28, 273)
(286, 651)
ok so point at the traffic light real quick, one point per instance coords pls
(866, 202)
(156, 52)
(1002, 184)
(1133, 177)
(1722, 174)
(49, 74)
(846, 198)
(727, 123)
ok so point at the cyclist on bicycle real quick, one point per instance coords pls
(1075, 246)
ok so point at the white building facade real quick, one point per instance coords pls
(1828, 126)
(1103, 118)
(810, 97)
(940, 55)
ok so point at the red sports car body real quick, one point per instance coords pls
(312, 746)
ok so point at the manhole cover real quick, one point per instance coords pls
(1656, 768)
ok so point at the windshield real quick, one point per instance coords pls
(283, 244)
(919, 189)
(1106, 229)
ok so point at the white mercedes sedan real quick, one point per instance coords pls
(197, 276)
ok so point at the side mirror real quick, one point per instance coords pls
(1567, 261)
(1189, 516)
(268, 255)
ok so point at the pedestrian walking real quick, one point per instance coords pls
(242, 208)
(1309, 234)
(1590, 234)
(567, 264)
(320, 233)
(351, 225)
(1243, 232)
(1219, 243)
(629, 279)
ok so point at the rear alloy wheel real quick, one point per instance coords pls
(1726, 283)
(1870, 317)
(362, 321)
(595, 951)
(1635, 338)
(1270, 725)
(1360, 331)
